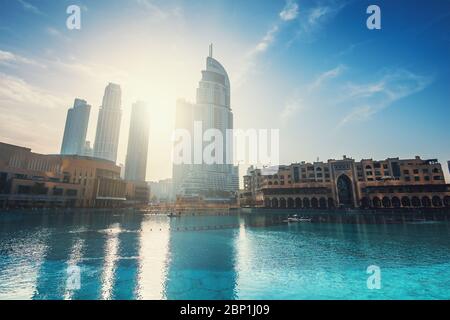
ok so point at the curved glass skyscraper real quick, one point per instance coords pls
(213, 110)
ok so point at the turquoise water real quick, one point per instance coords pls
(137, 256)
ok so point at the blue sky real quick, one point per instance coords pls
(310, 68)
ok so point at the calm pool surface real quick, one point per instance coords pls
(137, 256)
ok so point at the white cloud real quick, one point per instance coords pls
(314, 18)
(266, 41)
(29, 7)
(157, 12)
(292, 106)
(16, 92)
(9, 58)
(298, 102)
(376, 96)
(317, 14)
(57, 34)
(290, 11)
(327, 75)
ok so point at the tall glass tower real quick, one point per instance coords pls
(136, 162)
(77, 121)
(213, 110)
(108, 124)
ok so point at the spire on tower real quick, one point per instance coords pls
(211, 50)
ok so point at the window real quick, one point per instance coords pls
(385, 166)
(58, 191)
(416, 178)
(425, 171)
(407, 178)
(71, 193)
(405, 171)
(416, 171)
(437, 178)
(427, 178)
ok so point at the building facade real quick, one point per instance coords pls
(77, 121)
(162, 190)
(390, 183)
(108, 124)
(137, 152)
(29, 179)
(212, 110)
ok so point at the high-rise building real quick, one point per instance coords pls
(136, 162)
(108, 125)
(213, 111)
(77, 121)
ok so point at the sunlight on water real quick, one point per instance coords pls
(135, 256)
(153, 258)
(109, 268)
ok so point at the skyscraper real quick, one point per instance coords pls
(136, 162)
(77, 121)
(213, 110)
(108, 125)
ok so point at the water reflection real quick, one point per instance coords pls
(153, 258)
(134, 256)
(109, 265)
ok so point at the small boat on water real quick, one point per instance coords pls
(296, 218)
(173, 214)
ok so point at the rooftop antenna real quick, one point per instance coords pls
(211, 50)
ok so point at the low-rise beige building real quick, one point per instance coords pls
(390, 183)
(29, 179)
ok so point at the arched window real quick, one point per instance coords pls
(415, 202)
(267, 203)
(306, 203)
(270, 183)
(345, 191)
(290, 203)
(386, 202)
(274, 203)
(275, 183)
(447, 201)
(437, 202)
(406, 202)
(283, 203)
(396, 202)
(314, 203)
(376, 202)
(368, 168)
(426, 202)
(298, 202)
(365, 203)
(322, 203)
